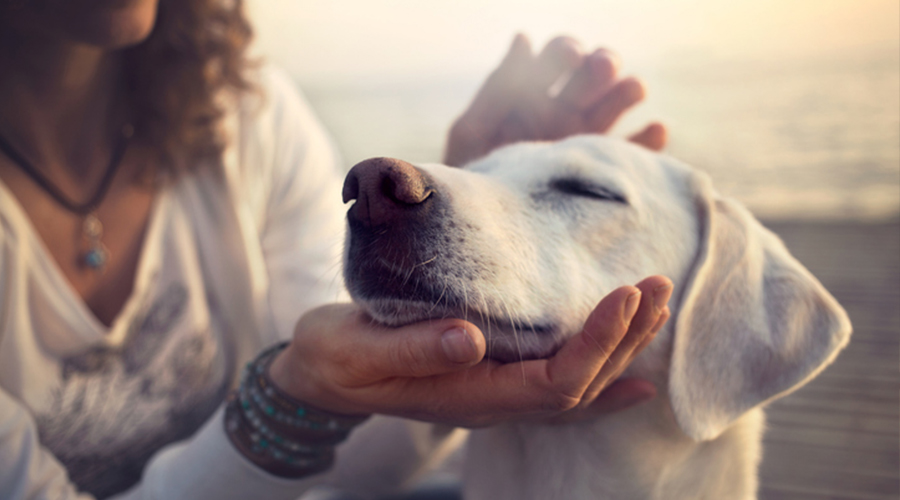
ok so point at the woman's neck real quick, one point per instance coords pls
(60, 103)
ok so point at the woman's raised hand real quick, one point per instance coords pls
(517, 102)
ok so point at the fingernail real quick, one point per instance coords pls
(661, 296)
(458, 346)
(520, 45)
(631, 305)
(602, 63)
(634, 89)
(659, 323)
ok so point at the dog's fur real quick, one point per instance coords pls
(525, 242)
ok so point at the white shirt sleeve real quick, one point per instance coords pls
(207, 466)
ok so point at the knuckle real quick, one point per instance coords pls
(561, 401)
(410, 357)
(351, 375)
(564, 44)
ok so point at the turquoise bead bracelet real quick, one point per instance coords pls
(259, 417)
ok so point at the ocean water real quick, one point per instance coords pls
(810, 139)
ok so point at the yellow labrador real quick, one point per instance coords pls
(526, 241)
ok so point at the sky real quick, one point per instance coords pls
(399, 39)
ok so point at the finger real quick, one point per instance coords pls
(542, 385)
(560, 55)
(663, 318)
(656, 291)
(473, 134)
(590, 81)
(623, 95)
(652, 137)
(529, 115)
(417, 350)
(605, 380)
(417, 353)
(583, 356)
(495, 99)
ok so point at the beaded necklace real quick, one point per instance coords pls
(96, 255)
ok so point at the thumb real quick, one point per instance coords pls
(426, 348)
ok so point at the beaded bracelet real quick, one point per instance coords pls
(258, 416)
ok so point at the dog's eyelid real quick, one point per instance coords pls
(582, 187)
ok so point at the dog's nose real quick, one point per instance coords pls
(385, 190)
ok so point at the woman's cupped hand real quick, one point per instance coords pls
(341, 361)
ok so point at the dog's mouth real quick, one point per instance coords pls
(508, 340)
(398, 284)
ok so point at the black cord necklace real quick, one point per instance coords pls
(96, 255)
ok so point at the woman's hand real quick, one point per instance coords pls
(515, 102)
(434, 371)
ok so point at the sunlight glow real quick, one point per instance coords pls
(408, 38)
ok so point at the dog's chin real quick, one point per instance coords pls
(507, 341)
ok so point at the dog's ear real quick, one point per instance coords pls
(753, 325)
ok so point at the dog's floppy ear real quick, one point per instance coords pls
(754, 324)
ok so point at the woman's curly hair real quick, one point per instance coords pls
(175, 77)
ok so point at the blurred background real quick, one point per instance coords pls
(793, 107)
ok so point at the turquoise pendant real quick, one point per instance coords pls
(97, 255)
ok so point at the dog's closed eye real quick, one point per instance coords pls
(580, 187)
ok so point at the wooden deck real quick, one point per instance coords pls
(838, 438)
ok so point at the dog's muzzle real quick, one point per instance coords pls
(410, 257)
(394, 226)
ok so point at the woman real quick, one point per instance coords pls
(166, 211)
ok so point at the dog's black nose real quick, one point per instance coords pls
(385, 190)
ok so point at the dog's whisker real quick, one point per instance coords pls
(479, 299)
(438, 301)
(465, 304)
(409, 275)
(515, 330)
(605, 354)
(334, 271)
(429, 261)
(487, 312)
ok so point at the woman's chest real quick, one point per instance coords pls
(105, 399)
(113, 232)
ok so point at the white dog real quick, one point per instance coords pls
(525, 242)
